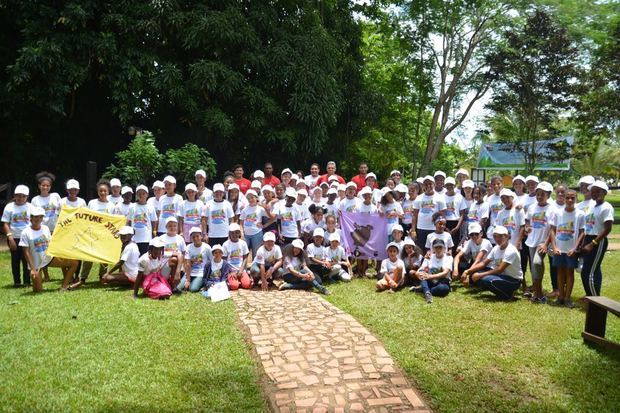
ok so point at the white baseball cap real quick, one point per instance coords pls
(507, 192)
(302, 192)
(294, 177)
(219, 187)
(392, 244)
(332, 191)
(450, 180)
(420, 180)
(440, 173)
(298, 244)
(318, 232)
(462, 171)
(350, 185)
(126, 230)
(402, 188)
(156, 243)
(142, 188)
(397, 227)
(217, 247)
(474, 228)
(588, 179)
(545, 186)
(532, 178)
(251, 192)
(256, 184)
(171, 219)
(342, 187)
(233, 186)
(599, 184)
(408, 241)
(37, 212)
(170, 179)
(290, 192)
(286, 170)
(269, 236)
(191, 187)
(333, 178)
(158, 184)
(365, 190)
(334, 237)
(73, 184)
(195, 230)
(468, 183)
(428, 178)
(201, 172)
(500, 230)
(115, 182)
(518, 178)
(371, 175)
(395, 171)
(126, 190)
(258, 174)
(268, 188)
(22, 190)
(234, 227)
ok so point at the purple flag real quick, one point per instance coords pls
(364, 235)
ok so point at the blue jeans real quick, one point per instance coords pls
(195, 284)
(503, 286)
(297, 283)
(254, 241)
(437, 288)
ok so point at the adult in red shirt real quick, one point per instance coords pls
(360, 180)
(269, 178)
(244, 184)
(331, 170)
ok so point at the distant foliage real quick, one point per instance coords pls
(184, 162)
(140, 163)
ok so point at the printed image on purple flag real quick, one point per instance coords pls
(364, 235)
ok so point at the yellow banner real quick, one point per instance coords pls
(83, 234)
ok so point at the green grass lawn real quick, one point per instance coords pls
(96, 349)
(470, 353)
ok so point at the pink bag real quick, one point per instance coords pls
(156, 287)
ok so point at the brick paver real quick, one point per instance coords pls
(320, 359)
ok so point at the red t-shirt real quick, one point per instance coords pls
(244, 184)
(324, 178)
(360, 181)
(273, 181)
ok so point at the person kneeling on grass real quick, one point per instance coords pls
(434, 274)
(216, 270)
(500, 272)
(196, 255)
(297, 274)
(128, 264)
(392, 270)
(34, 241)
(267, 265)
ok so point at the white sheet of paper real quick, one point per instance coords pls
(219, 292)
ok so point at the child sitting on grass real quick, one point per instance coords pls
(440, 233)
(434, 274)
(128, 264)
(392, 270)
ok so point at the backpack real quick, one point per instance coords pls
(156, 287)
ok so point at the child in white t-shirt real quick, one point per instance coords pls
(340, 265)
(72, 200)
(50, 202)
(143, 218)
(197, 254)
(169, 204)
(289, 219)
(392, 270)
(439, 233)
(267, 265)
(434, 273)
(236, 253)
(473, 252)
(128, 263)
(15, 219)
(190, 211)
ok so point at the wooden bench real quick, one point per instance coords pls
(596, 320)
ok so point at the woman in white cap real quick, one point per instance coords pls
(474, 251)
(538, 227)
(297, 275)
(599, 221)
(267, 264)
(169, 204)
(142, 218)
(435, 273)
(115, 191)
(190, 211)
(197, 254)
(519, 188)
(251, 219)
(236, 199)
(217, 215)
(584, 184)
(72, 200)
(127, 264)
(500, 272)
(49, 201)
(33, 242)
(412, 257)
(15, 219)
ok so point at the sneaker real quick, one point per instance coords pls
(278, 283)
(557, 303)
(527, 293)
(539, 300)
(428, 297)
(285, 286)
(553, 294)
(416, 289)
(569, 304)
(324, 291)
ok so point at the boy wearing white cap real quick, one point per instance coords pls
(236, 253)
(500, 272)
(169, 204)
(473, 252)
(15, 219)
(217, 215)
(289, 226)
(599, 221)
(538, 227)
(115, 191)
(33, 242)
(267, 265)
(142, 217)
(190, 211)
(128, 263)
(316, 252)
(197, 254)
(72, 200)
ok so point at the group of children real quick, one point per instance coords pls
(286, 232)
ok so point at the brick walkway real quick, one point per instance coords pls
(320, 359)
